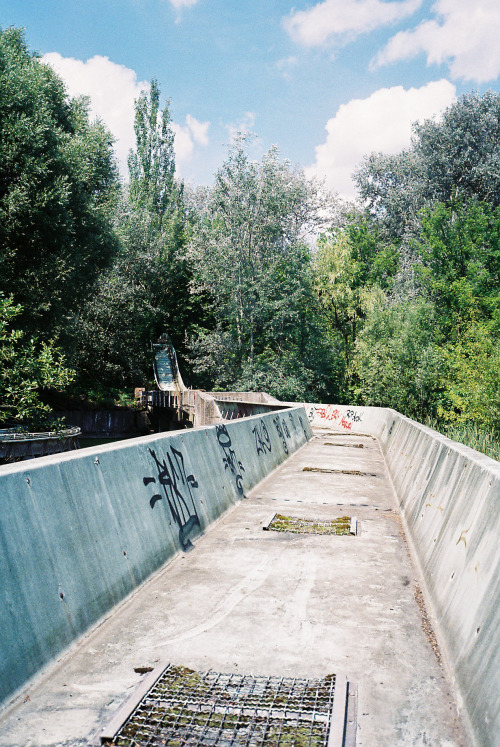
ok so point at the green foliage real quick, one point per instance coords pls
(470, 434)
(457, 156)
(251, 258)
(152, 163)
(432, 351)
(400, 306)
(398, 362)
(391, 188)
(460, 154)
(145, 292)
(27, 367)
(460, 251)
(472, 381)
(352, 268)
(57, 182)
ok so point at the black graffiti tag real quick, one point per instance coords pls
(177, 487)
(354, 416)
(311, 414)
(302, 426)
(230, 460)
(285, 428)
(279, 429)
(262, 440)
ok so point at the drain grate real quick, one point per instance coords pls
(340, 471)
(184, 707)
(344, 525)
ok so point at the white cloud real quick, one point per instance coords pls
(244, 126)
(346, 18)
(112, 90)
(198, 129)
(183, 3)
(187, 136)
(380, 123)
(464, 36)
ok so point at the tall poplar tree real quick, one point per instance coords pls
(146, 291)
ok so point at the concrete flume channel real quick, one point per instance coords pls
(120, 558)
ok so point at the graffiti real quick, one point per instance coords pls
(345, 423)
(354, 416)
(285, 428)
(279, 429)
(230, 460)
(303, 427)
(327, 412)
(334, 415)
(262, 440)
(178, 490)
(292, 424)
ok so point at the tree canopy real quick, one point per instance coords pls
(251, 258)
(263, 280)
(58, 180)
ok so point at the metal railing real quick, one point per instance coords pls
(17, 434)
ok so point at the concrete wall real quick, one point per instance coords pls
(120, 422)
(233, 409)
(450, 499)
(79, 531)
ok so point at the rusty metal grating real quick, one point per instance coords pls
(185, 707)
(344, 525)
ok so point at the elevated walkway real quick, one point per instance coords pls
(272, 603)
(408, 607)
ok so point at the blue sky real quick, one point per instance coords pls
(326, 81)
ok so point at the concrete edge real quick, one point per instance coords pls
(108, 733)
(267, 521)
(339, 711)
(351, 715)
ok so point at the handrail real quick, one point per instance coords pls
(15, 434)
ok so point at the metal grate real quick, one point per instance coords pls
(190, 708)
(343, 525)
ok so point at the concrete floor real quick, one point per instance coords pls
(257, 602)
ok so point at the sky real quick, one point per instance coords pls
(328, 82)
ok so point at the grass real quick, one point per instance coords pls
(469, 434)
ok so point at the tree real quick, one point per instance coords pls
(58, 180)
(460, 153)
(472, 382)
(398, 361)
(252, 259)
(455, 157)
(152, 188)
(353, 271)
(146, 291)
(390, 187)
(459, 247)
(27, 367)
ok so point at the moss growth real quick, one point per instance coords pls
(295, 525)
